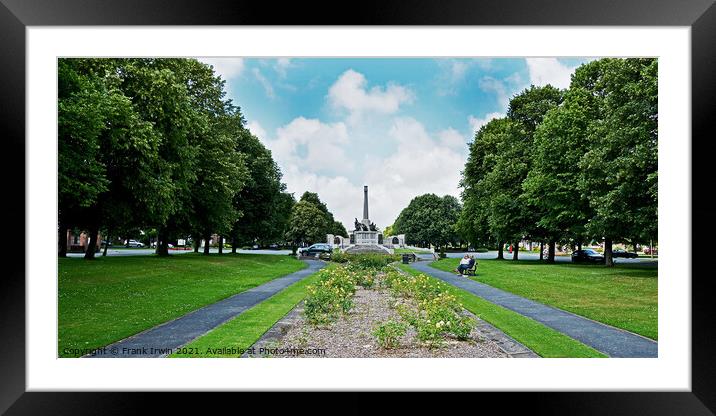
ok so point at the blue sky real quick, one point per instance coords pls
(399, 125)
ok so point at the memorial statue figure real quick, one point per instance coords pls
(358, 225)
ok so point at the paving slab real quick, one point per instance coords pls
(614, 342)
(161, 340)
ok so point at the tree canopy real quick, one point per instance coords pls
(571, 166)
(429, 219)
(153, 144)
(311, 221)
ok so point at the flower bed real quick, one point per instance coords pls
(364, 308)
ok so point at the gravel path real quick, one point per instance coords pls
(351, 336)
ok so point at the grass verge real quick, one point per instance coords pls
(624, 296)
(110, 298)
(235, 336)
(410, 250)
(541, 339)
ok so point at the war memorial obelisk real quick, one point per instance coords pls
(366, 237)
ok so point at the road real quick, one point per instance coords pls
(488, 255)
(149, 251)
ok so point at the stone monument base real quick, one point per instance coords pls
(367, 248)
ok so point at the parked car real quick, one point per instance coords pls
(624, 253)
(316, 249)
(587, 256)
(134, 243)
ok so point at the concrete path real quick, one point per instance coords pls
(163, 339)
(612, 341)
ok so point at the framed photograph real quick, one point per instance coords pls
(395, 200)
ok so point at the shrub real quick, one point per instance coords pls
(330, 296)
(366, 261)
(365, 279)
(339, 257)
(389, 332)
(438, 313)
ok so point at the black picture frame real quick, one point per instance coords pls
(16, 15)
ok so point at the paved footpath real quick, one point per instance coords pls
(612, 341)
(160, 340)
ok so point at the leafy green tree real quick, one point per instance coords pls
(257, 200)
(126, 148)
(551, 187)
(339, 229)
(429, 219)
(527, 109)
(491, 185)
(332, 226)
(220, 175)
(307, 224)
(81, 176)
(279, 216)
(620, 169)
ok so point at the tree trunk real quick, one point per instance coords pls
(207, 242)
(62, 240)
(221, 244)
(106, 244)
(579, 246)
(196, 242)
(550, 253)
(541, 250)
(162, 243)
(500, 250)
(91, 242)
(651, 249)
(233, 245)
(608, 259)
(516, 251)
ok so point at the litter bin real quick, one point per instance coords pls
(406, 258)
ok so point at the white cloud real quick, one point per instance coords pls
(311, 144)
(499, 88)
(545, 71)
(421, 164)
(452, 139)
(282, 65)
(228, 68)
(350, 92)
(476, 123)
(257, 130)
(264, 83)
(453, 72)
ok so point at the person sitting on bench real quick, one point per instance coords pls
(473, 266)
(465, 264)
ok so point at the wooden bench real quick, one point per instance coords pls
(471, 271)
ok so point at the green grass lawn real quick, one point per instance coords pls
(541, 339)
(624, 296)
(243, 331)
(110, 298)
(410, 250)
